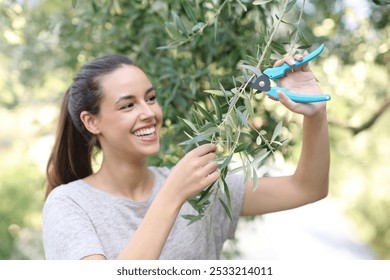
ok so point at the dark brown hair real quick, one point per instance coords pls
(71, 156)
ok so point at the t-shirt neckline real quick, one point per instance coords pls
(107, 194)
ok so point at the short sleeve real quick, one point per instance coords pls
(68, 233)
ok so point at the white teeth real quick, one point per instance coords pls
(145, 132)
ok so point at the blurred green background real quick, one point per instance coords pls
(43, 43)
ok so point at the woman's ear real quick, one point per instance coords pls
(90, 122)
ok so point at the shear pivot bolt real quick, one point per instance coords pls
(261, 83)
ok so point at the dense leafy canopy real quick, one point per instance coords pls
(193, 46)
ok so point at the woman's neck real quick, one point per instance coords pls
(132, 180)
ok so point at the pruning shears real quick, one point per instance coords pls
(262, 81)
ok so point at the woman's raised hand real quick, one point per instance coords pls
(194, 172)
(300, 80)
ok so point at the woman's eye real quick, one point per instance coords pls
(151, 99)
(128, 106)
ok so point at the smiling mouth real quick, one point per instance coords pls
(145, 132)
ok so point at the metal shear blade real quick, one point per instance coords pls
(260, 82)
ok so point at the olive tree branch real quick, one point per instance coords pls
(225, 129)
(260, 61)
(366, 125)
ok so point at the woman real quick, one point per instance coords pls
(127, 210)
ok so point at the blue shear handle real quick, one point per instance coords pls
(278, 72)
(298, 97)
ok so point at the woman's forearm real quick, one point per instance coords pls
(149, 239)
(312, 173)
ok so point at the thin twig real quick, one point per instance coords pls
(298, 29)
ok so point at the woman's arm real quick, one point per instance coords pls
(192, 174)
(309, 182)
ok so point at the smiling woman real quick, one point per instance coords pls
(116, 211)
(129, 210)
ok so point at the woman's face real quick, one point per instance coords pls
(130, 117)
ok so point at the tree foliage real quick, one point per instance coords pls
(191, 50)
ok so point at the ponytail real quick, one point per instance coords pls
(71, 157)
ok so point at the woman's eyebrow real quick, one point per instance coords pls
(149, 90)
(126, 97)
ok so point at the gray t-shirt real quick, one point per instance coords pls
(80, 220)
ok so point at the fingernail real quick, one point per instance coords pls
(292, 61)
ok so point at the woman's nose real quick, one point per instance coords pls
(146, 111)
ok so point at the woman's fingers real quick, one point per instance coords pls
(287, 102)
(204, 149)
(291, 60)
(307, 109)
(212, 177)
(210, 167)
(207, 166)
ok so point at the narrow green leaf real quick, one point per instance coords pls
(292, 35)
(217, 108)
(187, 25)
(249, 107)
(74, 3)
(227, 210)
(290, 5)
(192, 218)
(215, 92)
(242, 5)
(206, 127)
(224, 171)
(304, 47)
(278, 48)
(242, 118)
(241, 147)
(228, 136)
(189, 124)
(261, 2)
(277, 143)
(193, 201)
(225, 92)
(188, 10)
(277, 130)
(235, 98)
(302, 38)
(198, 26)
(179, 23)
(247, 172)
(215, 29)
(232, 120)
(211, 130)
(227, 192)
(255, 179)
(226, 161)
(205, 195)
(197, 139)
(172, 32)
(196, 117)
(204, 112)
(260, 157)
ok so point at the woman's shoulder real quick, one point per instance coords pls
(66, 193)
(65, 190)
